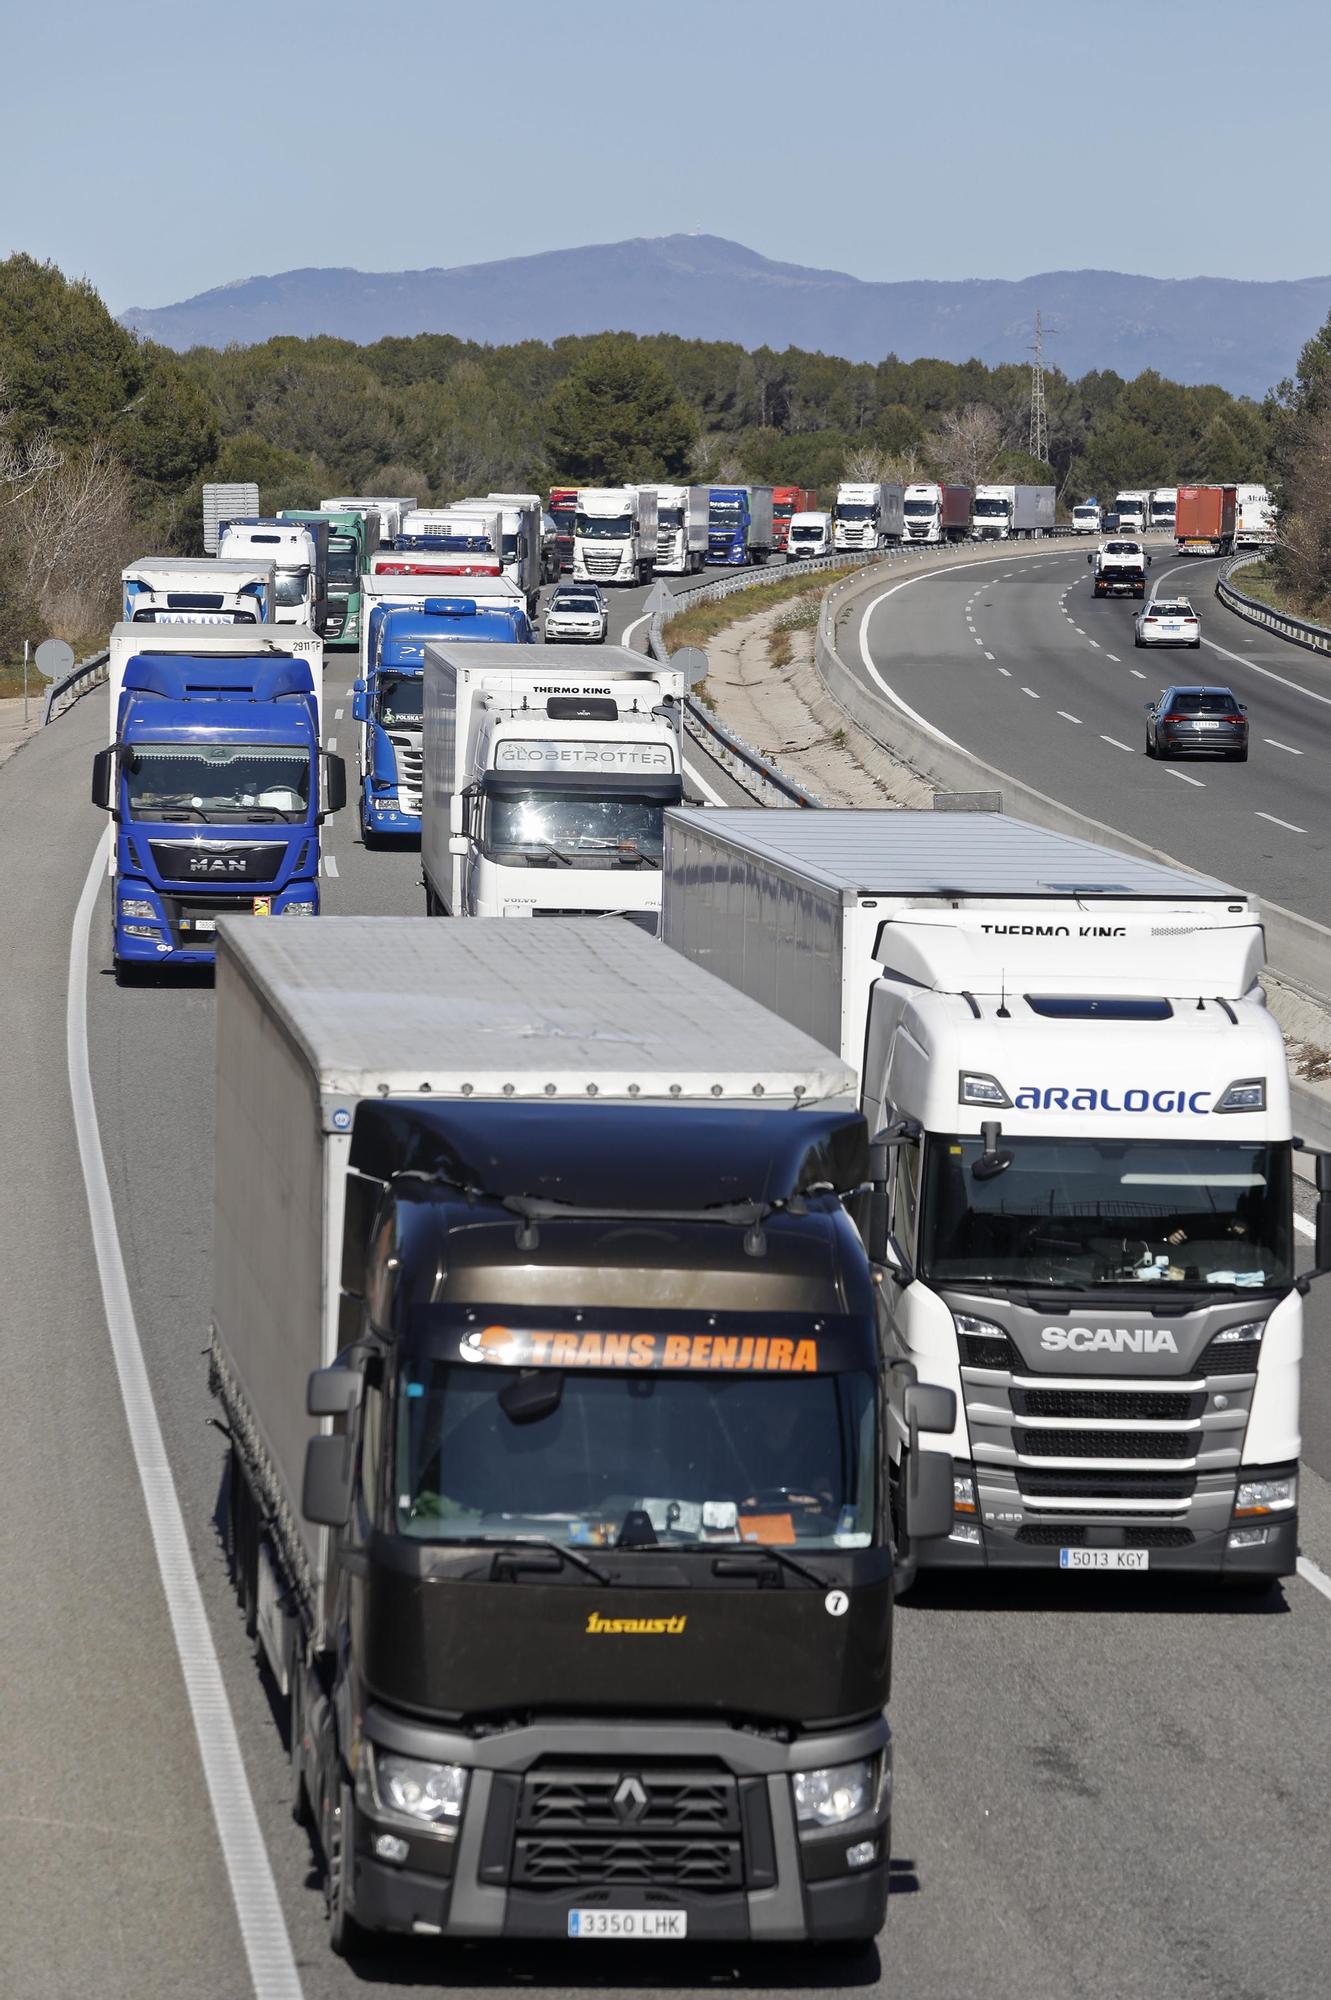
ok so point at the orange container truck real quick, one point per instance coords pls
(1204, 520)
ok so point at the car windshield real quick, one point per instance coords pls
(1201, 701)
(1122, 549)
(1086, 1214)
(546, 826)
(649, 1458)
(291, 586)
(588, 604)
(1170, 607)
(399, 698)
(806, 534)
(342, 566)
(604, 527)
(216, 780)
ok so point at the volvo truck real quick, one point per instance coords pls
(545, 1343)
(298, 551)
(216, 782)
(1068, 1057)
(544, 786)
(614, 534)
(682, 520)
(197, 590)
(387, 699)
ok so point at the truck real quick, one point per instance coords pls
(739, 525)
(1134, 510)
(564, 512)
(614, 534)
(353, 537)
(809, 535)
(787, 501)
(1254, 518)
(387, 698)
(226, 502)
(936, 513)
(520, 553)
(1003, 513)
(1087, 518)
(544, 786)
(389, 510)
(1067, 1054)
(1205, 520)
(1119, 567)
(384, 593)
(445, 541)
(682, 521)
(544, 1341)
(298, 551)
(216, 784)
(1164, 501)
(868, 517)
(197, 590)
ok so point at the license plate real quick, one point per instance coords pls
(656, 1926)
(1206, 725)
(198, 923)
(1104, 1559)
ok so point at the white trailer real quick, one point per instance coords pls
(1067, 1055)
(682, 520)
(389, 510)
(520, 530)
(1254, 518)
(197, 590)
(544, 786)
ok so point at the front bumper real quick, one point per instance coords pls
(1206, 1555)
(792, 1883)
(169, 938)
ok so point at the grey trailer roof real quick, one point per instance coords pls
(469, 1007)
(942, 853)
(608, 661)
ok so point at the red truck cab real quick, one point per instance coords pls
(788, 500)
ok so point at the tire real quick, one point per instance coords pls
(1137, 640)
(1239, 756)
(126, 974)
(905, 1563)
(1194, 645)
(345, 1936)
(1151, 750)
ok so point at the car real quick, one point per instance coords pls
(1167, 621)
(1197, 722)
(576, 612)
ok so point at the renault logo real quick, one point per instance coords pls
(630, 1799)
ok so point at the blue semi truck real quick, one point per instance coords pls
(386, 701)
(216, 784)
(739, 525)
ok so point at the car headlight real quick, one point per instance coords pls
(136, 906)
(432, 1793)
(1266, 1496)
(839, 1792)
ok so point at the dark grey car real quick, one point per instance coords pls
(1197, 722)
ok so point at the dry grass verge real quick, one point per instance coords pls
(702, 622)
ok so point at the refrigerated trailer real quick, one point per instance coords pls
(1067, 1055)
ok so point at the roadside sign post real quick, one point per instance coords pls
(54, 658)
(25, 683)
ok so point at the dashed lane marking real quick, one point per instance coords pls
(1031, 692)
(1184, 779)
(1117, 745)
(1288, 748)
(1288, 824)
(330, 864)
(988, 656)
(1070, 718)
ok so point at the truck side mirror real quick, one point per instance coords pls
(334, 775)
(360, 702)
(929, 1495)
(103, 779)
(325, 1495)
(333, 1392)
(928, 1407)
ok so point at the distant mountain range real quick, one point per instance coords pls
(1244, 335)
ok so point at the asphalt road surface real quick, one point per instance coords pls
(1105, 1788)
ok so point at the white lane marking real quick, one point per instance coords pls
(338, 714)
(1305, 1229)
(1006, 673)
(1031, 692)
(1310, 1573)
(1095, 643)
(1288, 824)
(332, 742)
(1137, 673)
(978, 640)
(695, 776)
(1114, 657)
(626, 636)
(1269, 673)
(272, 1966)
(1117, 745)
(1008, 574)
(1287, 747)
(988, 656)
(330, 864)
(1183, 778)
(1070, 718)
(1081, 629)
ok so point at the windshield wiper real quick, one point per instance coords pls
(738, 1565)
(548, 1547)
(555, 853)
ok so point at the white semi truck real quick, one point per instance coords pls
(1164, 505)
(520, 530)
(1085, 1114)
(1254, 518)
(544, 786)
(614, 534)
(390, 510)
(867, 517)
(1134, 509)
(197, 590)
(681, 529)
(1003, 513)
(298, 551)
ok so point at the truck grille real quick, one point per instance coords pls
(1145, 1405)
(410, 770)
(1070, 1535)
(1151, 1444)
(639, 1826)
(597, 564)
(1077, 1483)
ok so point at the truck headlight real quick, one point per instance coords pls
(829, 1796)
(432, 1793)
(1266, 1496)
(298, 910)
(136, 906)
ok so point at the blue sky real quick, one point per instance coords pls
(162, 149)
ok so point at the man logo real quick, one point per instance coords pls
(217, 864)
(630, 1800)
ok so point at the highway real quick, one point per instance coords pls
(1105, 1788)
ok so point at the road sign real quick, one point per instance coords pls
(692, 661)
(54, 658)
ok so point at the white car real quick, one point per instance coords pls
(576, 613)
(1167, 621)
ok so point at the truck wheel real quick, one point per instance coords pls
(905, 1563)
(345, 1935)
(369, 839)
(126, 974)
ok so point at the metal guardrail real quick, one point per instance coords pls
(1299, 631)
(88, 674)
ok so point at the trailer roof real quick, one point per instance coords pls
(943, 853)
(454, 1007)
(600, 662)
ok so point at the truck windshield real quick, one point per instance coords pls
(509, 548)
(854, 510)
(782, 509)
(400, 699)
(988, 509)
(603, 527)
(342, 564)
(806, 534)
(727, 510)
(1083, 1214)
(291, 587)
(683, 1460)
(920, 507)
(213, 780)
(670, 517)
(617, 830)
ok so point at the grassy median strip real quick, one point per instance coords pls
(702, 622)
(1261, 581)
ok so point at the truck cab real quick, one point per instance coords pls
(387, 699)
(217, 786)
(681, 530)
(298, 552)
(353, 537)
(991, 516)
(197, 590)
(1086, 518)
(787, 501)
(1134, 511)
(614, 534)
(923, 510)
